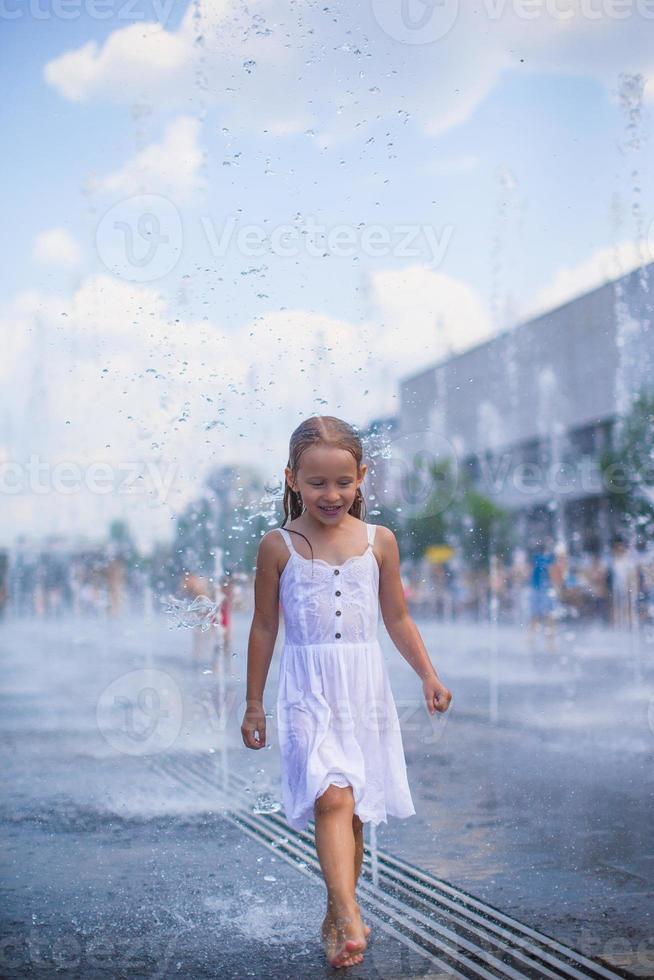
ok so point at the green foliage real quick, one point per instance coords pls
(628, 469)
(427, 523)
(455, 513)
(486, 529)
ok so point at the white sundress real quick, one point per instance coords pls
(337, 718)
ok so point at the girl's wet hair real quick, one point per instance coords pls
(321, 430)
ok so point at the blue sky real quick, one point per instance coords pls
(504, 137)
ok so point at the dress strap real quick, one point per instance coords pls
(287, 538)
(371, 533)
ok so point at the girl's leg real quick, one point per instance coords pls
(357, 827)
(335, 845)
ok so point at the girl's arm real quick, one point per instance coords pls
(261, 644)
(401, 627)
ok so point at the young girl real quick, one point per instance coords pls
(341, 748)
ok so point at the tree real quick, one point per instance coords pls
(456, 513)
(485, 529)
(196, 538)
(628, 468)
(429, 524)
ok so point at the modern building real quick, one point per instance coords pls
(528, 412)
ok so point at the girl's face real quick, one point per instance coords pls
(327, 480)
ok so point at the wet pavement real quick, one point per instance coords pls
(533, 793)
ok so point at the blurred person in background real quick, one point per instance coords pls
(519, 577)
(442, 591)
(202, 641)
(55, 579)
(225, 617)
(542, 593)
(622, 584)
(4, 582)
(22, 579)
(116, 585)
(644, 576)
(559, 570)
(407, 585)
(595, 576)
(565, 581)
(498, 585)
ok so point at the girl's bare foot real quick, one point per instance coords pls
(330, 940)
(345, 938)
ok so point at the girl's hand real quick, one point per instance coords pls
(254, 721)
(437, 696)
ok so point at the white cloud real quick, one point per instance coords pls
(14, 329)
(426, 316)
(169, 167)
(132, 58)
(603, 265)
(340, 72)
(114, 374)
(57, 246)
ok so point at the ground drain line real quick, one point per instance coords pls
(254, 828)
(261, 832)
(313, 874)
(377, 904)
(518, 932)
(371, 914)
(515, 936)
(597, 969)
(414, 874)
(430, 938)
(533, 957)
(432, 934)
(510, 944)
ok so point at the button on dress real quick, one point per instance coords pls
(337, 718)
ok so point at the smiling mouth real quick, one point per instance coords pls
(331, 510)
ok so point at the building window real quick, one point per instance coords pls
(584, 440)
